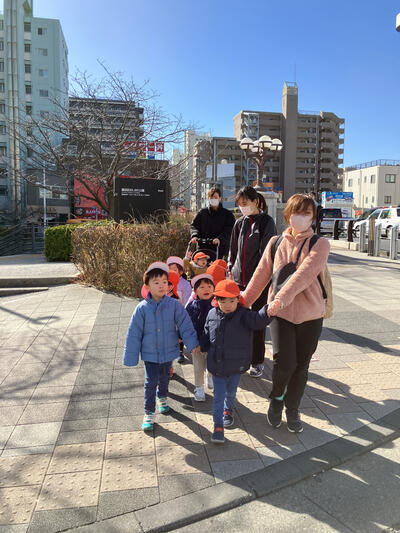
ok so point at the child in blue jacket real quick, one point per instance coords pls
(228, 332)
(198, 309)
(154, 331)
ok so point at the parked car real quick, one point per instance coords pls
(328, 217)
(386, 216)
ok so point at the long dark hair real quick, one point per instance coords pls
(251, 194)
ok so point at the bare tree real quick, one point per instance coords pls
(93, 139)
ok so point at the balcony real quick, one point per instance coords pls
(303, 143)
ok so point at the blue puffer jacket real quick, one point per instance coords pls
(198, 311)
(155, 329)
(230, 339)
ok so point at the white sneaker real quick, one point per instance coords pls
(210, 383)
(199, 394)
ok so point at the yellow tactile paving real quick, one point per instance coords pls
(127, 473)
(23, 470)
(63, 491)
(77, 457)
(190, 459)
(17, 503)
(129, 444)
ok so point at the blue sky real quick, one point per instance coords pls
(209, 59)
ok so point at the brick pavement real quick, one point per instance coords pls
(71, 448)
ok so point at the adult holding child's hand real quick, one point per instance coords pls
(293, 263)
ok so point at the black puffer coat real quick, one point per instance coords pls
(249, 239)
(228, 339)
(214, 224)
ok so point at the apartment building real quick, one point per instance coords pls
(217, 162)
(312, 145)
(373, 184)
(33, 71)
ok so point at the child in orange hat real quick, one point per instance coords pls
(227, 339)
(197, 264)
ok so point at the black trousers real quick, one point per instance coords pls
(258, 354)
(293, 346)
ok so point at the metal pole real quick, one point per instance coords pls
(394, 231)
(377, 247)
(371, 234)
(336, 230)
(350, 231)
(363, 227)
(44, 197)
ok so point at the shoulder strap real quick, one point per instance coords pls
(313, 240)
(275, 246)
(301, 249)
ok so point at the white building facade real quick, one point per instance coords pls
(373, 184)
(33, 73)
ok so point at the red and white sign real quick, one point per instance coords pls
(151, 146)
(160, 147)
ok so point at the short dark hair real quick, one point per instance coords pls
(155, 273)
(180, 268)
(198, 283)
(214, 190)
(222, 298)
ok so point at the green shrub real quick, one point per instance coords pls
(57, 239)
(114, 257)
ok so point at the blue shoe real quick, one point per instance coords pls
(228, 418)
(148, 421)
(218, 436)
(163, 406)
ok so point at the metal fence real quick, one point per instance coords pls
(22, 239)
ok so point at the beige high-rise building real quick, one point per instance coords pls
(312, 145)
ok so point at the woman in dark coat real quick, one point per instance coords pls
(213, 222)
(250, 236)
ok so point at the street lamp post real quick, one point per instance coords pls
(259, 151)
(44, 196)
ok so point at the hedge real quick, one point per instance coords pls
(57, 240)
(114, 257)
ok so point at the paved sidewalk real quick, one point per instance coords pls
(34, 266)
(71, 449)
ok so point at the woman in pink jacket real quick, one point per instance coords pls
(297, 304)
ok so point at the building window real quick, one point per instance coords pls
(27, 68)
(42, 31)
(1, 45)
(1, 25)
(2, 87)
(44, 92)
(42, 51)
(365, 179)
(27, 48)
(2, 129)
(27, 27)
(350, 182)
(3, 151)
(28, 110)
(29, 152)
(28, 89)
(1, 66)
(390, 178)
(2, 107)
(43, 73)
(3, 190)
(372, 199)
(388, 200)
(373, 178)
(366, 199)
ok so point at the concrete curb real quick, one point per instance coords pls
(190, 508)
(46, 281)
(20, 290)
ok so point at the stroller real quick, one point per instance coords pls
(203, 245)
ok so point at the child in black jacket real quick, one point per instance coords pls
(228, 339)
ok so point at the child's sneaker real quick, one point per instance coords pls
(228, 418)
(218, 436)
(171, 372)
(199, 394)
(148, 421)
(256, 371)
(210, 382)
(163, 406)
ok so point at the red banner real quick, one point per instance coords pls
(151, 146)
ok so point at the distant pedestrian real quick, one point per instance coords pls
(153, 333)
(250, 236)
(213, 222)
(227, 338)
(296, 302)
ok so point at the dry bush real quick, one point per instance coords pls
(114, 257)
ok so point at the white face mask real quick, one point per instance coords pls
(214, 202)
(301, 223)
(246, 210)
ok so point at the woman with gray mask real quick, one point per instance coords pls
(250, 236)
